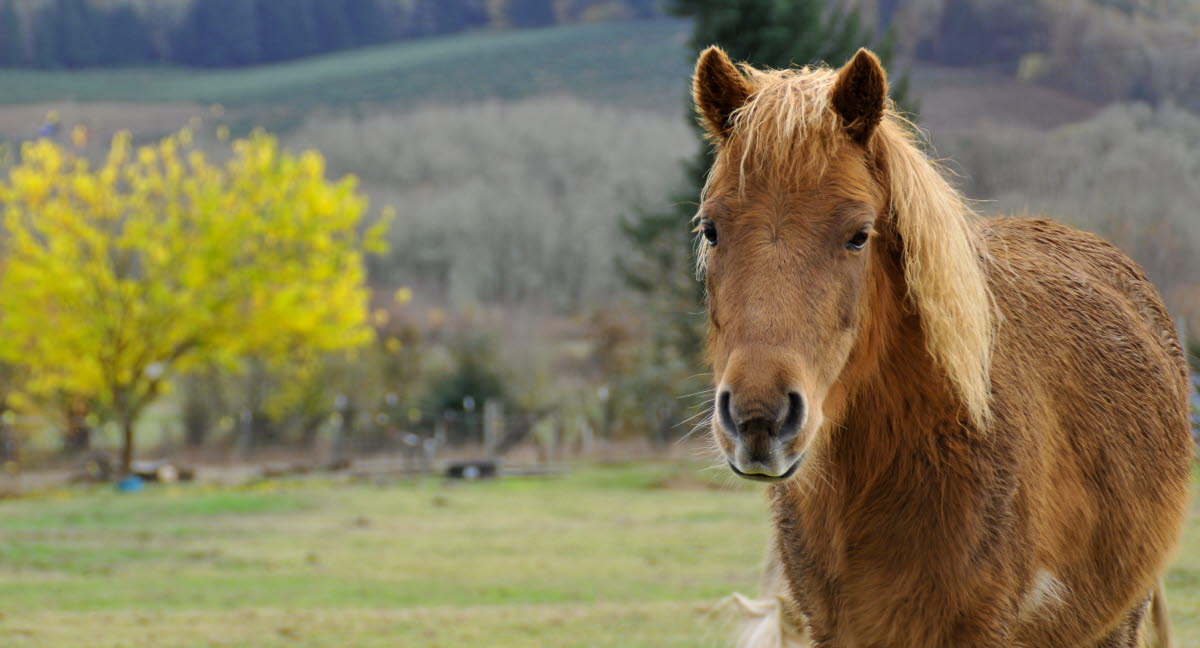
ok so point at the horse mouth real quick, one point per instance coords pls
(767, 478)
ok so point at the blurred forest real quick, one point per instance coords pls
(227, 33)
(541, 160)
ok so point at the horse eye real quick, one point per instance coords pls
(710, 232)
(858, 241)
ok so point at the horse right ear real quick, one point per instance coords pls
(718, 89)
(860, 95)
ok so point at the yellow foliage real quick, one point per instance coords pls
(160, 260)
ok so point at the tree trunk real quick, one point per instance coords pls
(126, 444)
(78, 437)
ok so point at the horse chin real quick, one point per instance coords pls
(762, 473)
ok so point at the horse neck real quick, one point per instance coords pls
(895, 395)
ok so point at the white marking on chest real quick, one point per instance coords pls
(1045, 591)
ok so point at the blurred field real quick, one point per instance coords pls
(626, 556)
(607, 62)
(614, 556)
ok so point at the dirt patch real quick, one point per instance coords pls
(102, 119)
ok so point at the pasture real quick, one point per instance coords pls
(622, 555)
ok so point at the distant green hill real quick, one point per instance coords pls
(640, 63)
(81, 34)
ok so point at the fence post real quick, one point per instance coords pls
(493, 420)
(552, 439)
(587, 438)
(10, 458)
(245, 434)
(341, 431)
(606, 412)
(439, 430)
(429, 449)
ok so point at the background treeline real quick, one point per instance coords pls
(1103, 50)
(224, 33)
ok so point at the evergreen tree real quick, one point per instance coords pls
(126, 38)
(333, 26)
(641, 9)
(10, 35)
(531, 13)
(287, 29)
(448, 17)
(45, 40)
(659, 263)
(79, 27)
(218, 33)
(368, 21)
(76, 34)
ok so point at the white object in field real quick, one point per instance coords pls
(766, 623)
(770, 621)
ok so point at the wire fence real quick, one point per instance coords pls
(338, 436)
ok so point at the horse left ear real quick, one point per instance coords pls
(718, 89)
(860, 94)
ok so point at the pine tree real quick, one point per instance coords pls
(641, 9)
(333, 27)
(45, 40)
(531, 13)
(368, 21)
(126, 38)
(218, 33)
(659, 263)
(448, 17)
(77, 34)
(10, 35)
(79, 27)
(287, 29)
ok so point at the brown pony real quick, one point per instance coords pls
(976, 430)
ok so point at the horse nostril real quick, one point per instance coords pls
(725, 414)
(794, 417)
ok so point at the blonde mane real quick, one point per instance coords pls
(787, 130)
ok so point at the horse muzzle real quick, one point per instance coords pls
(759, 441)
(764, 472)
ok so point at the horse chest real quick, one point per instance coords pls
(889, 564)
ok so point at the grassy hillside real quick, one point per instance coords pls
(641, 63)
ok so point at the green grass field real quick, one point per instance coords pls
(615, 556)
(638, 62)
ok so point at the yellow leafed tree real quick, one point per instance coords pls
(119, 276)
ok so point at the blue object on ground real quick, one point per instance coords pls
(131, 484)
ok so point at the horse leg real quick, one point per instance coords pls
(1128, 633)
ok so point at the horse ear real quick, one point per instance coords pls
(718, 89)
(860, 94)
